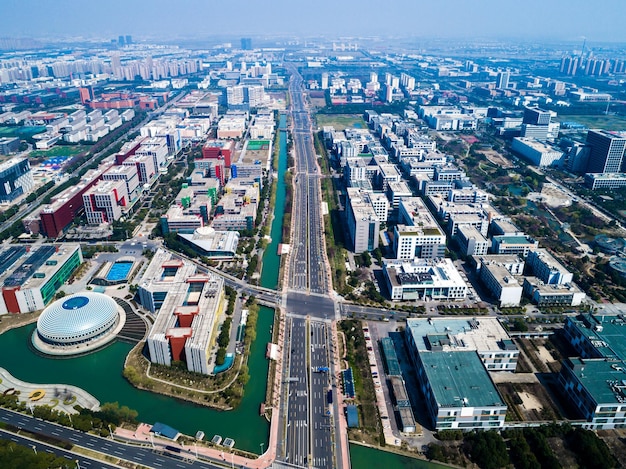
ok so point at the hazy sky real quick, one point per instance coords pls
(599, 21)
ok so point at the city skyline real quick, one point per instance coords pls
(158, 19)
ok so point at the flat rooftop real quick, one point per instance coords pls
(607, 333)
(459, 379)
(481, 334)
(514, 239)
(39, 266)
(603, 379)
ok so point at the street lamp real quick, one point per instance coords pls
(34, 448)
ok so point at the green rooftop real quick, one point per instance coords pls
(513, 239)
(459, 379)
(609, 339)
(603, 379)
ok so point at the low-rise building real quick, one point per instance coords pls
(105, 202)
(471, 241)
(547, 269)
(30, 279)
(521, 245)
(418, 234)
(596, 181)
(502, 285)
(594, 383)
(424, 279)
(129, 175)
(538, 153)
(216, 245)
(544, 294)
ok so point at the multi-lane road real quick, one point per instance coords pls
(155, 457)
(309, 413)
(296, 380)
(308, 270)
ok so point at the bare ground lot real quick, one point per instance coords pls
(496, 158)
(528, 402)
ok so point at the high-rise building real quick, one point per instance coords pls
(234, 95)
(121, 41)
(246, 43)
(129, 39)
(388, 93)
(502, 80)
(324, 81)
(536, 116)
(16, 179)
(606, 152)
(104, 201)
(86, 94)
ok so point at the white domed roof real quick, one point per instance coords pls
(205, 230)
(77, 318)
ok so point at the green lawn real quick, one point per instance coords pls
(61, 150)
(21, 132)
(597, 122)
(341, 121)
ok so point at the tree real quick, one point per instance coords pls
(487, 449)
(519, 325)
(365, 259)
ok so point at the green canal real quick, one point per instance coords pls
(363, 456)
(101, 373)
(271, 261)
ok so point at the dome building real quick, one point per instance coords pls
(77, 323)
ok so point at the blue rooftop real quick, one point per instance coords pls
(165, 430)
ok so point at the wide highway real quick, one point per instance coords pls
(309, 425)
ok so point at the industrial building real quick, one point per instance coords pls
(538, 153)
(458, 391)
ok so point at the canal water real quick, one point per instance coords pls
(271, 261)
(100, 373)
(363, 456)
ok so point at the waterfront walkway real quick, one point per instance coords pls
(54, 395)
(143, 437)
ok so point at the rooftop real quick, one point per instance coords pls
(459, 379)
(457, 334)
(603, 379)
